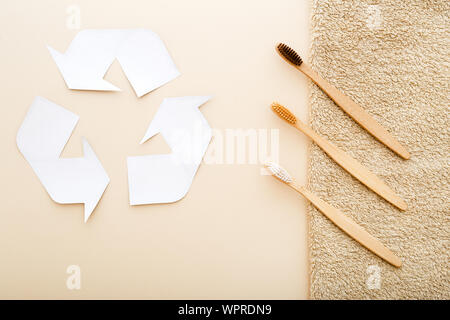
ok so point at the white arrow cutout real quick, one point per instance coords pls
(165, 178)
(41, 138)
(140, 52)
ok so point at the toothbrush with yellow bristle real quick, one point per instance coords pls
(342, 221)
(355, 111)
(352, 166)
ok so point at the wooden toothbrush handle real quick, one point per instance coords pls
(355, 168)
(350, 227)
(355, 111)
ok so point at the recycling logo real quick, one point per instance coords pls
(47, 127)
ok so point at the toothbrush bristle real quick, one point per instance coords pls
(284, 113)
(278, 172)
(289, 54)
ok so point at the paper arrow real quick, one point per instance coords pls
(140, 52)
(41, 138)
(167, 178)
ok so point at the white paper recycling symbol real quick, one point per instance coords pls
(167, 178)
(41, 138)
(152, 179)
(140, 52)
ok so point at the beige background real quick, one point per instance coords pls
(237, 234)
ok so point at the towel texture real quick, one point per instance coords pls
(391, 57)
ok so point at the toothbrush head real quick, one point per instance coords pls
(284, 113)
(278, 172)
(289, 54)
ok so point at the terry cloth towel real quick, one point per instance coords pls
(391, 57)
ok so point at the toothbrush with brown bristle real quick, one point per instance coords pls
(355, 111)
(355, 168)
(345, 223)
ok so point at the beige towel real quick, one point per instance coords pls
(392, 57)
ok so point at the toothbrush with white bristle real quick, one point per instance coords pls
(351, 165)
(345, 223)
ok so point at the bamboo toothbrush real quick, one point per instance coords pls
(337, 217)
(343, 159)
(358, 114)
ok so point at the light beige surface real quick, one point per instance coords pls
(237, 234)
(392, 57)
